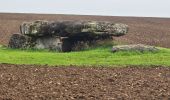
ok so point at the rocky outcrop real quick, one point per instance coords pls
(136, 47)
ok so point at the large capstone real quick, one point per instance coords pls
(118, 29)
(135, 47)
(33, 28)
(69, 28)
(113, 29)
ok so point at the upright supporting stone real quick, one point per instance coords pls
(19, 41)
(53, 43)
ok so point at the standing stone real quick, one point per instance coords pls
(53, 43)
(19, 41)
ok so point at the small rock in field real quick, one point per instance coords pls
(134, 47)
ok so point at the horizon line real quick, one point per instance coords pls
(81, 14)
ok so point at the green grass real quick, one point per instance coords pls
(98, 56)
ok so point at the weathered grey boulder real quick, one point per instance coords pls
(136, 47)
(63, 29)
(33, 28)
(69, 28)
(19, 41)
(114, 29)
(119, 29)
(53, 43)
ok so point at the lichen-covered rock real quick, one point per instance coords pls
(93, 26)
(69, 28)
(118, 29)
(33, 28)
(53, 43)
(64, 29)
(43, 28)
(136, 47)
(113, 29)
(19, 41)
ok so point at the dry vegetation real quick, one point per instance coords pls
(152, 31)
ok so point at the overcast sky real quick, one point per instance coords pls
(148, 8)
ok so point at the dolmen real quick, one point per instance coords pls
(64, 35)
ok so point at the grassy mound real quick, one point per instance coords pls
(95, 56)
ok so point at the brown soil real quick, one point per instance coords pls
(29, 82)
(151, 31)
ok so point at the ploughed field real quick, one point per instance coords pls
(151, 31)
(42, 82)
(30, 82)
